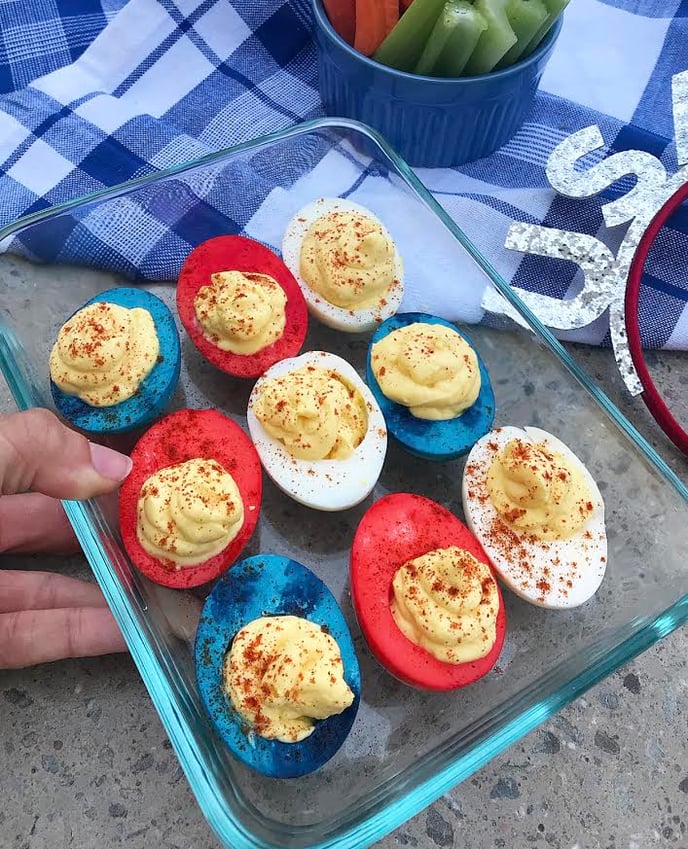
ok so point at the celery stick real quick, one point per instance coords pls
(554, 9)
(526, 18)
(495, 41)
(470, 25)
(452, 40)
(403, 46)
(437, 40)
(462, 43)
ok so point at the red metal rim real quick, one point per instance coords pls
(651, 396)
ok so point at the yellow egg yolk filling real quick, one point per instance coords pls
(189, 512)
(349, 260)
(314, 413)
(538, 491)
(446, 601)
(282, 673)
(429, 368)
(104, 352)
(241, 311)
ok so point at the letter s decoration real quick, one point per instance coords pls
(605, 274)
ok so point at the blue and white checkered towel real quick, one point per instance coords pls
(94, 92)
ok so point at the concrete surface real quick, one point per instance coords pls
(86, 763)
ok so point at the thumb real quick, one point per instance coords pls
(39, 453)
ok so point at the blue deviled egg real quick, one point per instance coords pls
(273, 657)
(431, 385)
(115, 364)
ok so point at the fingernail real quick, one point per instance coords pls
(110, 464)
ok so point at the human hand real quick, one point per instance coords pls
(45, 616)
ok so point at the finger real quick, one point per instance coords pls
(45, 591)
(42, 636)
(35, 523)
(37, 452)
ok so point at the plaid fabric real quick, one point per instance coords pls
(164, 81)
(40, 36)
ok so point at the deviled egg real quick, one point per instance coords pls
(240, 305)
(424, 594)
(191, 501)
(318, 430)
(432, 387)
(116, 362)
(538, 514)
(267, 623)
(346, 263)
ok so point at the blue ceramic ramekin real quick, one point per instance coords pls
(430, 121)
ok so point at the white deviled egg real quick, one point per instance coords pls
(538, 514)
(346, 263)
(318, 430)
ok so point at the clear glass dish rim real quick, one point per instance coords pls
(380, 816)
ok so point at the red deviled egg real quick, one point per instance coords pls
(424, 594)
(192, 499)
(240, 305)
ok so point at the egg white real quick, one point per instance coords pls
(580, 559)
(327, 485)
(349, 321)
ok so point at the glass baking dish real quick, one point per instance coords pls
(407, 747)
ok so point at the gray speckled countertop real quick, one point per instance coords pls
(87, 764)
